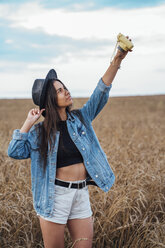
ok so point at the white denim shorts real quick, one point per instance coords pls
(69, 204)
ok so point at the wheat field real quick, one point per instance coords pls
(131, 131)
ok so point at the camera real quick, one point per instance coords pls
(124, 43)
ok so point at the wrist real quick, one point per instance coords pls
(29, 122)
(26, 126)
(116, 62)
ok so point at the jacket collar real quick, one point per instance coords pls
(70, 116)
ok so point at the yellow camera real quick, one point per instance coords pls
(124, 43)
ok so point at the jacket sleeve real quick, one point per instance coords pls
(19, 146)
(97, 101)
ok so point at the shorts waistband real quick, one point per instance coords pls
(71, 184)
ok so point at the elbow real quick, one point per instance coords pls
(11, 153)
(18, 150)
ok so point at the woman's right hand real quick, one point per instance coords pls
(33, 115)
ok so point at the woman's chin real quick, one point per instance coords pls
(70, 102)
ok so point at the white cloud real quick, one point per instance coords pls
(104, 23)
(82, 74)
(144, 25)
(141, 73)
(9, 41)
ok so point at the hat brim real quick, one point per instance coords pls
(51, 75)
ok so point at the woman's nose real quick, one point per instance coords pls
(66, 92)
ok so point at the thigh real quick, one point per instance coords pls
(81, 228)
(53, 234)
(81, 207)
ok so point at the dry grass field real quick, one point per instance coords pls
(131, 131)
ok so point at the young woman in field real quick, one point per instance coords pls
(66, 157)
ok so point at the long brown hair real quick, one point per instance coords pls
(49, 127)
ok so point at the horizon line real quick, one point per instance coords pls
(27, 98)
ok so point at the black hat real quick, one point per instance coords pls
(39, 89)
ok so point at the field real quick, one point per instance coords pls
(131, 131)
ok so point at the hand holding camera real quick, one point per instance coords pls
(123, 44)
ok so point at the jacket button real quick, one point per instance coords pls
(83, 148)
(73, 133)
(87, 162)
(96, 175)
(83, 132)
(106, 187)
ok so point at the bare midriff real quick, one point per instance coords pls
(72, 172)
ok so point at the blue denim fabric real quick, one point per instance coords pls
(25, 145)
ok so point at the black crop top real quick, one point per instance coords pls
(68, 153)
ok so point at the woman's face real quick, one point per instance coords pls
(63, 96)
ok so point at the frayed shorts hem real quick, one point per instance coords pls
(59, 221)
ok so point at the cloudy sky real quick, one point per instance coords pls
(77, 39)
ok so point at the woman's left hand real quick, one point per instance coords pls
(121, 55)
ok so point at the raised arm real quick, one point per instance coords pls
(33, 116)
(96, 101)
(110, 74)
(19, 147)
(100, 95)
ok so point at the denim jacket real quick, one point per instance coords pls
(25, 145)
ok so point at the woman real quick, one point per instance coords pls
(66, 157)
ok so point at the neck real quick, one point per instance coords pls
(63, 114)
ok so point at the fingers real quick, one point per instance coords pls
(36, 111)
(128, 38)
(42, 110)
(130, 50)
